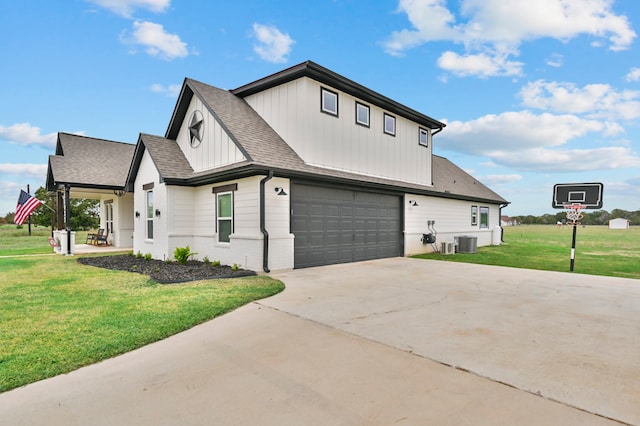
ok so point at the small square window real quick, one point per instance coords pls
(424, 137)
(329, 102)
(389, 124)
(362, 114)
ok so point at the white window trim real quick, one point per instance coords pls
(484, 226)
(148, 216)
(366, 108)
(323, 107)
(384, 124)
(225, 218)
(424, 132)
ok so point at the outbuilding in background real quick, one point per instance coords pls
(619, 223)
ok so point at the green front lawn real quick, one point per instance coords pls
(599, 250)
(58, 315)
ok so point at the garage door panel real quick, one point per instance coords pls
(338, 225)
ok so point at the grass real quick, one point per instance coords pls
(58, 315)
(599, 250)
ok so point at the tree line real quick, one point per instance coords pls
(85, 213)
(590, 217)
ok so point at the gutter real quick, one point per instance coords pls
(265, 241)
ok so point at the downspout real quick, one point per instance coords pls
(265, 241)
(500, 221)
(438, 130)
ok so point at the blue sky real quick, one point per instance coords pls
(534, 92)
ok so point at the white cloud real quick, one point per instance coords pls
(488, 28)
(526, 141)
(172, 90)
(273, 46)
(634, 74)
(126, 7)
(595, 100)
(515, 131)
(34, 170)
(500, 179)
(569, 160)
(481, 65)
(556, 60)
(26, 134)
(156, 41)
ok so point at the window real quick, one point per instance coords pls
(362, 114)
(150, 215)
(328, 102)
(423, 139)
(108, 210)
(225, 216)
(484, 217)
(389, 124)
(474, 215)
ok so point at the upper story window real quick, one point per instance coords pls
(423, 138)
(362, 114)
(328, 101)
(389, 124)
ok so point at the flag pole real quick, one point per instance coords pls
(29, 193)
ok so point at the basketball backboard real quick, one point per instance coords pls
(588, 195)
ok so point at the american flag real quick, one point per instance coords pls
(26, 204)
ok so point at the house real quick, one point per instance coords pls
(301, 168)
(619, 223)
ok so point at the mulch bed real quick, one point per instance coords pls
(165, 272)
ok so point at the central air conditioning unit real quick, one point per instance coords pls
(446, 248)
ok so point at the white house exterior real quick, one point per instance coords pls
(619, 223)
(301, 168)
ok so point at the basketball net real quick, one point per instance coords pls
(574, 212)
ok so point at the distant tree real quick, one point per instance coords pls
(9, 217)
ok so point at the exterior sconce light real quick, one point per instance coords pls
(280, 190)
(157, 212)
(119, 192)
(137, 214)
(413, 203)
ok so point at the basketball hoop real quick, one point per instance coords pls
(574, 211)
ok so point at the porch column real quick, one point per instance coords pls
(67, 216)
(60, 210)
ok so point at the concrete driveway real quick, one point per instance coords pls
(381, 342)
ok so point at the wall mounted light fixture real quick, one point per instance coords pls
(157, 212)
(413, 203)
(280, 190)
(137, 214)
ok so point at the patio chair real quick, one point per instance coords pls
(93, 238)
(101, 240)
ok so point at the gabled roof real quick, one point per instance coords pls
(326, 76)
(85, 162)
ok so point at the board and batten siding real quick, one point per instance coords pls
(293, 111)
(217, 149)
(452, 219)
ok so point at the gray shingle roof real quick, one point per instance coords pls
(167, 156)
(89, 162)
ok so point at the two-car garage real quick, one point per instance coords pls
(339, 225)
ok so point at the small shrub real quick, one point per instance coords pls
(182, 254)
(206, 260)
(235, 267)
(139, 255)
(215, 263)
(148, 256)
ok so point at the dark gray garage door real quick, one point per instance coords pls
(340, 225)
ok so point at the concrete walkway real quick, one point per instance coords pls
(382, 342)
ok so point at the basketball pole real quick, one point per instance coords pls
(573, 245)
